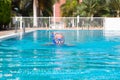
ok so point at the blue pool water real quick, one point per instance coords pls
(86, 55)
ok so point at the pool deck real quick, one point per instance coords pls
(8, 32)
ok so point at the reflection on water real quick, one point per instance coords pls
(93, 56)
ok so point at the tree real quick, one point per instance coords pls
(35, 8)
(69, 9)
(25, 7)
(5, 13)
(45, 7)
(22, 7)
(115, 7)
(88, 8)
(102, 9)
(92, 7)
(40, 6)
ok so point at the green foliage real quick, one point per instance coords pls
(94, 7)
(46, 7)
(25, 7)
(22, 7)
(91, 8)
(5, 12)
(69, 9)
(115, 7)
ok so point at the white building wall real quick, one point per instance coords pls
(112, 24)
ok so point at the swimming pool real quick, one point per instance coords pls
(86, 55)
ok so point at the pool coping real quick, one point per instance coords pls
(14, 35)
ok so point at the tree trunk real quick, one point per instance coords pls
(35, 4)
(118, 13)
(40, 14)
(0, 27)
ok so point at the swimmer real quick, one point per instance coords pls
(58, 38)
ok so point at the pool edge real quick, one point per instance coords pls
(13, 35)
